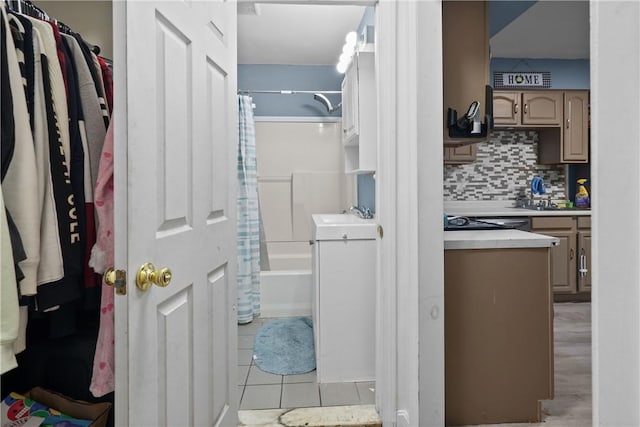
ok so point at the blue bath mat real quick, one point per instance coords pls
(285, 346)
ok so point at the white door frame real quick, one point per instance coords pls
(410, 313)
(615, 176)
(120, 173)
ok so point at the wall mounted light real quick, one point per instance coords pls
(348, 50)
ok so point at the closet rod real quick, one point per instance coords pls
(26, 7)
(287, 92)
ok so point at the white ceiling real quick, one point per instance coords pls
(295, 34)
(314, 34)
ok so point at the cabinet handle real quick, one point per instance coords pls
(571, 254)
(515, 108)
(568, 120)
(583, 263)
(525, 108)
(583, 266)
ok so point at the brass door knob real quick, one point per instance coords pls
(148, 275)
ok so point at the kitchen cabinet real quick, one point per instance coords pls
(460, 155)
(527, 109)
(465, 61)
(359, 128)
(561, 118)
(570, 259)
(575, 130)
(584, 254)
(570, 142)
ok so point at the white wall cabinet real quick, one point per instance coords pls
(359, 129)
(343, 309)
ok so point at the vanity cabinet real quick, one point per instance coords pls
(359, 128)
(460, 155)
(570, 259)
(533, 108)
(343, 308)
(465, 61)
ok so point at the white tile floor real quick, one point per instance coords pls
(261, 390)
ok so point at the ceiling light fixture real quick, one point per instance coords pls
(348, 50)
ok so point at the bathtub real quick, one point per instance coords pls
(286, 288)
(285, 293)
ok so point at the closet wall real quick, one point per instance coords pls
(92, 19)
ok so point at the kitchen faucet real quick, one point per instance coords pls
(361, 212)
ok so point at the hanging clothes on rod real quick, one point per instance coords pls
(56, 103)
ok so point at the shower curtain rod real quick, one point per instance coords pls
(287, 92)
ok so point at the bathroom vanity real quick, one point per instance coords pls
(498, 326)
(344, 291)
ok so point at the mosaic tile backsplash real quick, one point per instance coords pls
(503, 170)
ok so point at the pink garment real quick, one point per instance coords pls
(102, 381)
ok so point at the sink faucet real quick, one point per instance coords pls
(361, 212)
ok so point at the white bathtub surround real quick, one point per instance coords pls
(300, 172)
(286, 288)
(289, 255)
(286, 293)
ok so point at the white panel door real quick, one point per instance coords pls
(176, 143)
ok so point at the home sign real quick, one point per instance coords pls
(517, 79)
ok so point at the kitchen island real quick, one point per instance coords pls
(570, 259)
(498, 326)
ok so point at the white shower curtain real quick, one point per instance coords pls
(248, 215)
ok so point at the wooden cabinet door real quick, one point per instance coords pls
(575, 141)
(563, 260)
(465, 58)
(507, 108)
(459, 155)
(584, 261)
(543, 107)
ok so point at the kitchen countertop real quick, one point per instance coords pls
(496, 239)
(503, 208)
